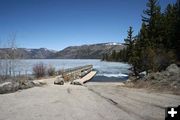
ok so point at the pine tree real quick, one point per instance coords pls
(106, 57)
(143, 37)
(177, 30)
(113, 55)
(129, 42)
(103, 57)
(159, 38)
(153, 21)
(129, 39)
(170, 19)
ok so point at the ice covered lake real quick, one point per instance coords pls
(106, 71)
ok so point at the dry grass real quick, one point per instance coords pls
(154, 86)
(39, 70)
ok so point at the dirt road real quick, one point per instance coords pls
(92, 102)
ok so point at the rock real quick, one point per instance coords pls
(76, 82)
(142, 74)
(39, 82)
(36, 83)
(28, 84)
(7, 87)
(159, 76)
(165, 73)
(173, 69)
(42, 82)
(59, 81)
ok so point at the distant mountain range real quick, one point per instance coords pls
(93, 51)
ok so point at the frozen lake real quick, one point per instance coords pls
(106, 70)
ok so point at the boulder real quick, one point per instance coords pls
(28, 84)
(59, 81)
(76, 82)
(173, 69)
(36, 83)
(7, 87)
(42, 82)
(142, 74)
(158, 76)
(39, 82)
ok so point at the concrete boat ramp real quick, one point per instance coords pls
(93, 102)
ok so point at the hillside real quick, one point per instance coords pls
(23, 53)
(94, 51)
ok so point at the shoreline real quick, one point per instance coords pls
(127, 83)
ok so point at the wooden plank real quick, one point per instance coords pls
(85, 78)
(77, 72)
(72, 70)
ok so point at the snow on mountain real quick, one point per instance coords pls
(113, 43)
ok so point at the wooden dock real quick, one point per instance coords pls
(76, 73)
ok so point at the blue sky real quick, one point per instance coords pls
(56, 24)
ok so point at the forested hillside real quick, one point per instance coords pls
(158, 42)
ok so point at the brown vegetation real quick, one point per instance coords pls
(164, 81)
(51, 71)
(39, 70)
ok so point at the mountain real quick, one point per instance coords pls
(94, 51)
(24, 53)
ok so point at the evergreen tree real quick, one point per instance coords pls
(143, 37)
(159, 38)
(153, 21)
(132, 57)
(129, 42)
(177, 30)
(103, 57)
(170, 20)
(106, 57)
(113, 55)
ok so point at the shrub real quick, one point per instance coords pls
(60, 72)
(51, 71)
(164, 59)
(39, 70)
(66, 77)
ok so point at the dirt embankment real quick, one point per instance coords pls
(167, 81)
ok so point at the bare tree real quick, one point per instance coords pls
(9, 59)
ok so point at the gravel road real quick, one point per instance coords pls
(89, 102)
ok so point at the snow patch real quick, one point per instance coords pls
(113, 43)
(113, 75)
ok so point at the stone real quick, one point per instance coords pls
(39, 82)
(7, 87)
(59, 81)
(142, 74)
(173, 69)
(76, 82)
(42, 82)
(28, 84)
(36, 83)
